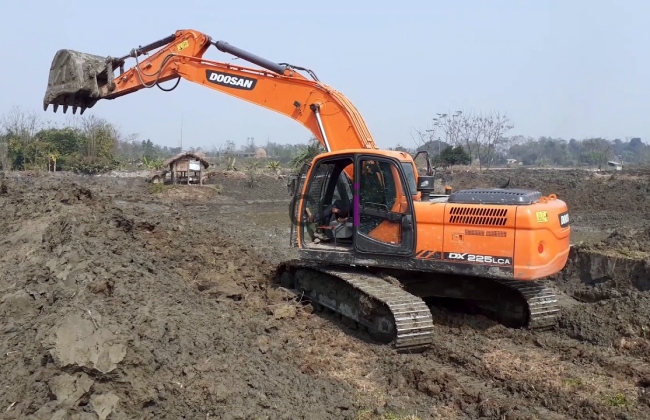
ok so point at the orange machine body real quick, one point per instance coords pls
(517, 241)
(528, 239)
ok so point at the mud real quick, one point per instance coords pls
(119, 301)
(634, 243)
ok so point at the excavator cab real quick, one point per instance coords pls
(380, 219)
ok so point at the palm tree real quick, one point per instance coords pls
(314, 148)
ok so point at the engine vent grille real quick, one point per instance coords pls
(478, 216)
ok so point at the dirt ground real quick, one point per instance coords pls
(123, 300)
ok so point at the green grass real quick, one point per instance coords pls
(617, 400)
(574, 382)
(156, 188)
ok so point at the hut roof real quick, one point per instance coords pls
(204, 162)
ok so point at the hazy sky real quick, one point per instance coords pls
(569, 68)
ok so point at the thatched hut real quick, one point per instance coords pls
(187, 168)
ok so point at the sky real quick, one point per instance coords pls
(570, 69)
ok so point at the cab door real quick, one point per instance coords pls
(383, 207)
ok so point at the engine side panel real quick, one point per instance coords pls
(529, 241)
(479, 234)
(438, 241)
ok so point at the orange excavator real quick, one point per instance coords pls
(395, 248)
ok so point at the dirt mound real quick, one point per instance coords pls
(119, 310)
(630, 242)
(242, 185)
(611, 279)
(618, 321)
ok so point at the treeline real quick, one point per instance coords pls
(592, 152)
(90, 144)
(480, 139)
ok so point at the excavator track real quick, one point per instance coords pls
(543, 305)
(391, 314)
(513, 303)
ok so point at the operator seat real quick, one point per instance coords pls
(343, 230)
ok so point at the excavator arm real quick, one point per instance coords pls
(80, 80)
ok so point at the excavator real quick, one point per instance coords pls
(398, 249)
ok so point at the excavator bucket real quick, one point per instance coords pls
(77, 80)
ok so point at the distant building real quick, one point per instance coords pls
(617, 166)
(260, 153)
(185, 168)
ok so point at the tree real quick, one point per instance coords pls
(148, 150)
(429, 141)
(100, 137)
(314, 148)
(18, 130)
(481, 135)
(5, 162)
(451, 128)
(590, 151)
(452, 155)
(96, 151)
(595, 151)
(22, 123)
(491, 129)
(250, 146)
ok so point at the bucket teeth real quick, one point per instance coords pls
(77, 80)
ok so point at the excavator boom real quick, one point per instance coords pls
(80, 80)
